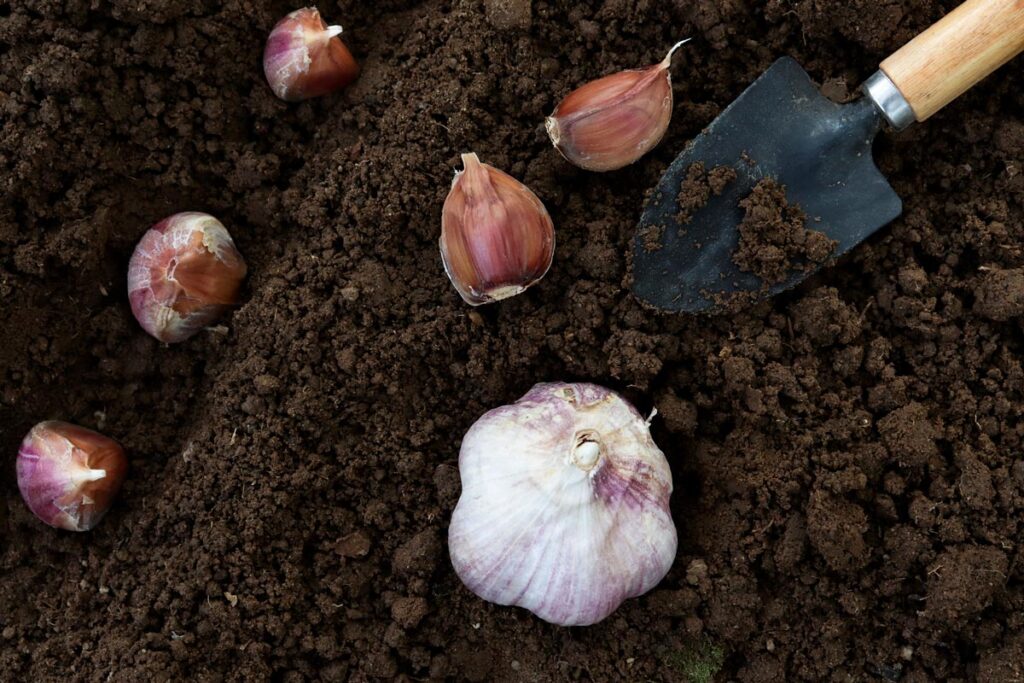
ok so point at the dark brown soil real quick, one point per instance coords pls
(849, 486)
(699, 186)
(775, 239)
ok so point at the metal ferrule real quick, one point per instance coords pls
(889, 100)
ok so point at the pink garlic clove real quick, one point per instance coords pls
(304, 57)
(69, 475)
(185, 273)
(610, 123)
(497, 238)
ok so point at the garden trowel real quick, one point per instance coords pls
(782, 128)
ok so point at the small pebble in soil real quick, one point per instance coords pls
(419, 555)
(408, 612)
(999, 294)
(355, 544)
(696, 572)
(774, 239)
(509, 15)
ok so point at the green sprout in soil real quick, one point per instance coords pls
(699, 661)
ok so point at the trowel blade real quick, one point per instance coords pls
(781, 127)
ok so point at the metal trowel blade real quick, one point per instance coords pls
(781, 127)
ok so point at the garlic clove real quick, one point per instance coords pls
(610, 123)
(304, 57)
(185, 273)
(497, 238)
(69, 475)
(565, 505)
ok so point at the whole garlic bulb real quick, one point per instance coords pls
(565, 505)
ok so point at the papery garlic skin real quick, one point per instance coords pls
(610, 123)
(497, 238)
(304, 57)
(565, 505)
(184, 274)
(69, 475)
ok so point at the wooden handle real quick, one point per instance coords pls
(962, 48)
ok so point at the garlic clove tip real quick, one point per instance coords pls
(667, 62)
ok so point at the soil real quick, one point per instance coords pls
(774, 237)
(699, 186)
(849, 489)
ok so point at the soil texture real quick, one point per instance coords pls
(774, 237)
(847, 456)
(699, 186)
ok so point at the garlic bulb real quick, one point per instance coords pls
(565, 505)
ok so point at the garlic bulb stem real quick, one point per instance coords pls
(587, 451)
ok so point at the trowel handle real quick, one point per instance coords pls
(959, 50)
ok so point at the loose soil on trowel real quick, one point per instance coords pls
(847, 457)
(775, 237)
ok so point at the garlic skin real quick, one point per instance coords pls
(610, 123)
(69, 475)
(185, 273)
(565, 505)
(304, 57)
(497, 238)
